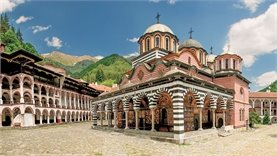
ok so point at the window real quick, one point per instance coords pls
(157, 41)
(174, 45)
(242, 119)
(226, 64)
(234, 64)
(147, 44)
(201, 57)
(189, 61)
(240, 115)
(219, 64)
(167, 43)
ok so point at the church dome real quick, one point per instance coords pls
(190, 43)
(211, 58)
(158, 27)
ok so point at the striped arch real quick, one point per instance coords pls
(95, 108)
(212, 103)
(199, 102)
(153, 101)
(138, 100)
(230, 103)
(109, 106)
(115, 103)
(220, 104)
(102, 108)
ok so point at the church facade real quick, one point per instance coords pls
(32, 94)
(176, 87)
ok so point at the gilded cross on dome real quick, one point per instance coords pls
(190, 33)
(158, 17)
(211, 49)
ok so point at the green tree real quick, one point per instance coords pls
(11, 41)
(4, 23)
(266, 119)
(19, 35)
(30, 48)
(254, 118)
(99, 76)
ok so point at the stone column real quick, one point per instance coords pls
(213, 110)
(126, 120)
(65, 118)
(94, 117)
(33, 94)
(101, 118)
(153, 119)
(115, 119)
(11, 94)
(223, 118)
(48, 119)
(39, 95)
(200, 119)
(70, 118)
(74, 101)
(69, 100)
(136, 116)
(55, 120)
(65, 97)
(21, 91)
(109, 119)
(40, 119)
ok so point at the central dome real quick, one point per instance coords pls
(191, 43)
(158, 27)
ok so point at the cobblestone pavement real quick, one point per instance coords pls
(80, 140)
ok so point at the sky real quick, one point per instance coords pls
(100, 28)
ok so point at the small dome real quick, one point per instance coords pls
(190, 43)
(158, 27)
(227, 52)
(211, 58)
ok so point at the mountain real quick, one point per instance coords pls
(67, 60)
(106, 71)
(272, 87)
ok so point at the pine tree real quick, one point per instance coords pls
(19, 35)
(99, 76)
(266, 119)
(254, 118)
(4, 23)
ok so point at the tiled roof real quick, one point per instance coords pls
(263, 95)
(100, 87)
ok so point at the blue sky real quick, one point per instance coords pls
(100, 28)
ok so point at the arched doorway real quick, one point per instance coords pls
(207, 121)
(44, 116)
(164, 113)
(144, 114)
(52, 116)
(219, 123)
(37, 116)
(191, 112)
(131, 114)
(120, 115)
(6, 117)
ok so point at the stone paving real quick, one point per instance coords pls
(78, 139)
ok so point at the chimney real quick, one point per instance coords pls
(2, 47)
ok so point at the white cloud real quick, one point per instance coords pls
(131, 54)
(266, 78)
(54, 42)
(172, 1)
(253, 37)
(38, 28)
(251, 5)
(23, 19)
(9, 5)
(99, 57)
(134, 40)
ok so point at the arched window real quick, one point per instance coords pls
(226, 64)
(201, 57)
(234, 64)
(189, 60)
(147, 44)
(167, 43)
(157, 41)
(141, 47)
(219, 65)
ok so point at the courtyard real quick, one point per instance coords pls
(80, 140)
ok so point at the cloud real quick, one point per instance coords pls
(38, 28)
(134, 40)
(54, 42)
(9, 5)
(266, 78)
(23, 19)
(134, 54)
(169, 1)
(253, 37)
(99, 57)
(251, 5)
